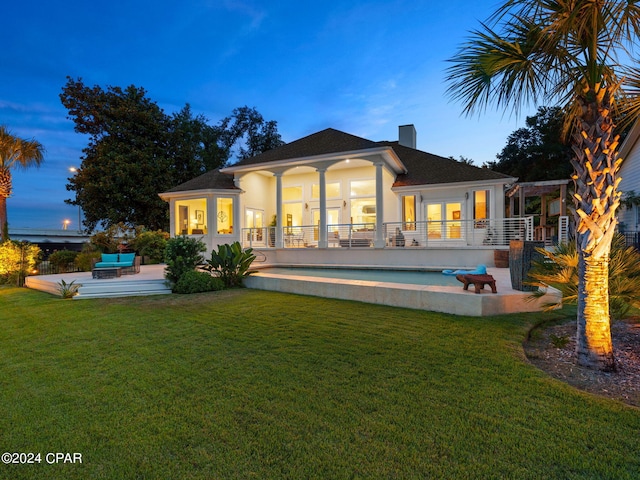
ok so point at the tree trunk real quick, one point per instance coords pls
(4, 226)
(594, 347)
(5, 192)
(596, 199)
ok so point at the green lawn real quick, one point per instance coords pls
(251, 384)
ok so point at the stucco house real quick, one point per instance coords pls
(333, 197)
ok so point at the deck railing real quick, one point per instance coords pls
(442, 233)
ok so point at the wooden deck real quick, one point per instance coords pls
(150, 281)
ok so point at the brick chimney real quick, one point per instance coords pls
(407, 136)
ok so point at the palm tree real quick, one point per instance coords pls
(571, 53)
(14, 153)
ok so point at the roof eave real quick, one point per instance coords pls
(390, 156)
(166, 196)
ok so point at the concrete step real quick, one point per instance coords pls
(107, 288)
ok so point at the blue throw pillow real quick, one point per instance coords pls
(109, 257)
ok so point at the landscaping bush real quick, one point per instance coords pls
(63, 260)
(150, 244)
(195, 281)
(17, 260)
(559, 269)
(182, 254)
(231, 263)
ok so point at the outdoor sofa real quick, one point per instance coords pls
(129, 263)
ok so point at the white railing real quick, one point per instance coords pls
(497, 232)
(397, 234)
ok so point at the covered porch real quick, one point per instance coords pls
(553, 223)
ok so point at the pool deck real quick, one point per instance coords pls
(421, 297)
(150, 281)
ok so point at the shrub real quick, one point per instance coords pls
(17, 260)
(150, 244)
(231, 263)
(195, 281)
(559, 269)
(62, 260)
(182, 254)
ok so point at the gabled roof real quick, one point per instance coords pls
(321, 143)
(421, 168)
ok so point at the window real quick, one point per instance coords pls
(444, 221)
(409, 212)
(480, 208)
(191, 218)
(363, 202)
(333, 190)
(290, 194)
(363, 188)
(224, 215)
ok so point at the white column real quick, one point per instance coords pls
(237, 219)
(379, 240)
(279, 240)
(322, 234)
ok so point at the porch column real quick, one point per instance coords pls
(322, 233)
(379, 239)
(279, 242)
(237, 218)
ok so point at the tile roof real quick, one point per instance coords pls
(422, 168)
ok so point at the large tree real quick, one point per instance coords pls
(135, 151)
(126, 162)
(570, 53)
(15, 153)
(537, 151)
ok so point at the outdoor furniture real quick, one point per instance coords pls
(479, 281)
(106, 272)
(129, 263)
(360, 238)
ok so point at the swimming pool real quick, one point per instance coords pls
(411, 277)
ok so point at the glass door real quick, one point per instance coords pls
(254, 220)
(333, 218)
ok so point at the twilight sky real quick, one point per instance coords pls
(361, 67)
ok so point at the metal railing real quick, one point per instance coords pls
(497, 232)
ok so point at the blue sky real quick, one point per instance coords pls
(361, 67)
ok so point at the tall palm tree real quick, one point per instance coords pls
(14, 153)
(577, 54)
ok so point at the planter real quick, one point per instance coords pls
(521, 256)
(501, 258)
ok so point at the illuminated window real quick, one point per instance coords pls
(444, 221)
(333, 190)
(191, 218)
(480, 208)
(409, 212)
(363, 188)
(291, 194)
(224, 215)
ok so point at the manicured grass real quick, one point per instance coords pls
(249, 384)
